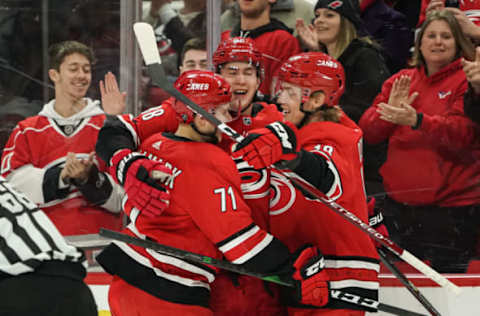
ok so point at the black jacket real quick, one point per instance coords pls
(365, 72)
(471, 105)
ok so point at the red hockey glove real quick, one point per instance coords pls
(266, 146)
(375, 220)
(311, 279)
(134, 172)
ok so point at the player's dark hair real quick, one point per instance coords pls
(57, 52)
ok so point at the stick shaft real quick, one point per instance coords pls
(159, 79)
(194, 257)
(406, 282)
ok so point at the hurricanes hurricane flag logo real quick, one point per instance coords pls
(444, 94)
(335, 4)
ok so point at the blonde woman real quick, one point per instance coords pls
(336, 30)
(431, 174)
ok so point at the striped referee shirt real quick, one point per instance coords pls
(27, 236)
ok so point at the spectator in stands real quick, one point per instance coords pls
(467, 14)
(472, 97)
(51, 156)
(470, 24)
(287, 11)
(336, 30)
(431, 174)
(390, 29)
(192, 57)
(272, 37)
(174, 25)
(470, 7)
(40, 274)
(410, 9)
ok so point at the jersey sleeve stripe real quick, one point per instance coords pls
(353, 264)
(233, 237)
(255, 250)
(181, 264)
(146, 262)
(370, 285)
(239, 238)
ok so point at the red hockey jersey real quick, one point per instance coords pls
(351, 259)
(206, 215)
(39, 145)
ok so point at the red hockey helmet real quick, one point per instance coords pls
(205, 88)
(313, 72)
(237, 49)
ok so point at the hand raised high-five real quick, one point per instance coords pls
(307, 35)
(113, 101)
(435, 5)
(472, 71)
(400, 91)
(468, 27)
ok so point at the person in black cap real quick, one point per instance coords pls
(338, 31)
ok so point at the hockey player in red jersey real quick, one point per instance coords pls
(50, 156)
(206, 214)
(310, 86)
(241, 64)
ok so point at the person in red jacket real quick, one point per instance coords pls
(212, 220)
(310, 87)
(272, 38)
(51, 157)
(430, 175)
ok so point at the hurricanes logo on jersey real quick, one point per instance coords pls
(444, 94)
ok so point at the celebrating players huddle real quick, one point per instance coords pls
(232, 201)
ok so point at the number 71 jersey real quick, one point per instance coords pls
(207, 212)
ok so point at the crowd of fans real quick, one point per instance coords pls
(403, 97)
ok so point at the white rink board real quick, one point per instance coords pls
(466, 304)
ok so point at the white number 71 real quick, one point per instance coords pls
(223, 195)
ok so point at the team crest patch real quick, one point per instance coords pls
(335, 4)
(444, 94)
(247, 120)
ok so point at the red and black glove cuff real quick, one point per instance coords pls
(120, 163)
(287, 134)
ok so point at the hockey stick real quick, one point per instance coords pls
(406, 282)
(146, 40)
(228, 266)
